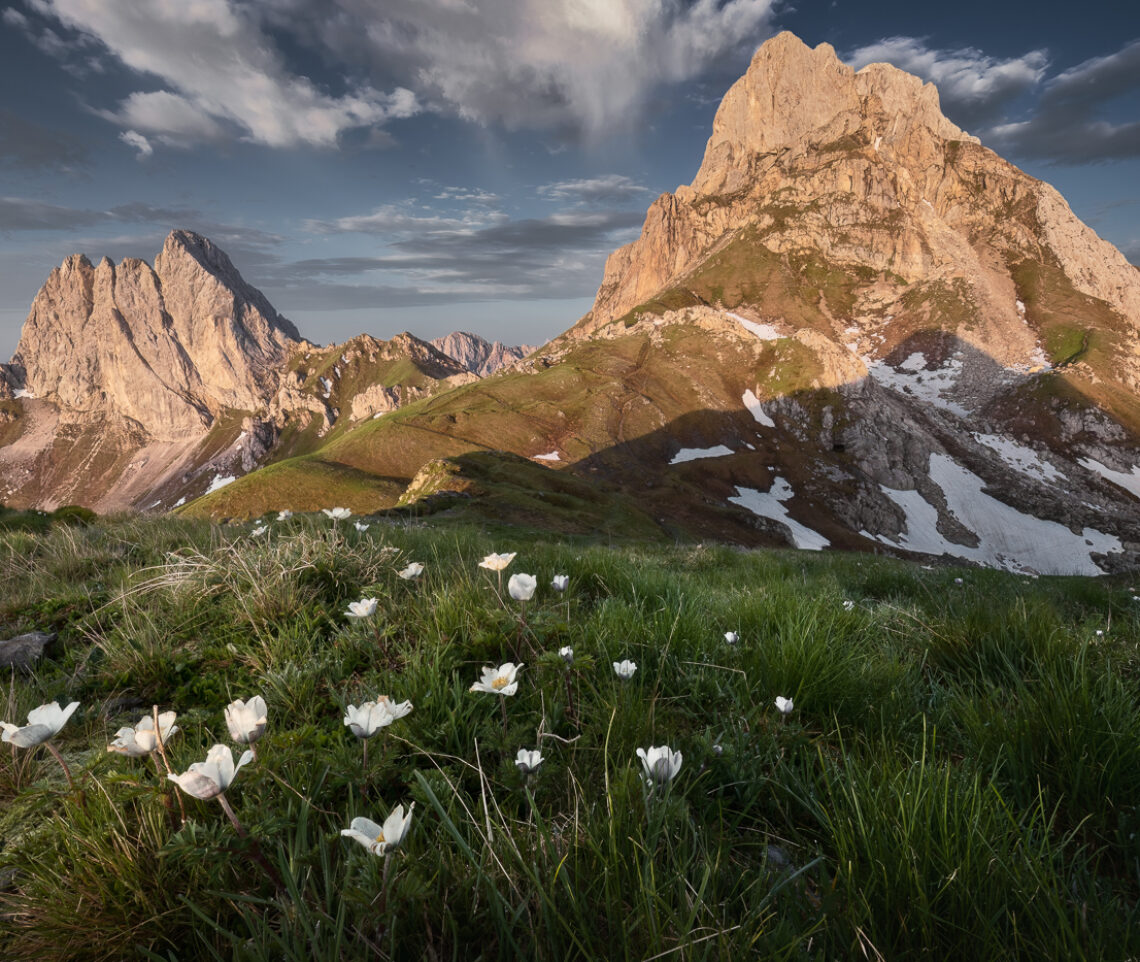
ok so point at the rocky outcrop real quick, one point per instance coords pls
(168, 348)
(858, 174)
(478, 355)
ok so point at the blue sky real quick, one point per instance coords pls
(439, 165)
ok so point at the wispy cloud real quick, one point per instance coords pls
(582, 68)
(1070, 124)
(223, 74)
(973, 87)
(607, 189)
(559, 256)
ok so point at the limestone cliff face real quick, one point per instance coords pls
(860, 173)
(169, 348)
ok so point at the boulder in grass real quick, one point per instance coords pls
(25, 651)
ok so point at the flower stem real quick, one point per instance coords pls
(59, 758)
(255, 849)
(503, 706)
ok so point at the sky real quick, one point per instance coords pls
(376, 166)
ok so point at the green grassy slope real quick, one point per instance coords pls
(958, 776)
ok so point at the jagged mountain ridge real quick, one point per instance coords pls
(479, 355)
(857, 327)
(139, 387)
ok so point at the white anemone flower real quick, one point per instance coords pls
(661, 764)
(284, 515)
(381, 839)
(560, 582)
(210, 778)
(521, 587)
(338, 514)
(528, 761)
(848, 605)
(497, 562)
(258, 531)
(625, 669)
(247, 720)
(567, 654)
(143, 738)
(364, 608)
(499, 681)
(43, 722)
(731, 637)
(360, 526)
(366, 719)
(412, 571)
(784, 704)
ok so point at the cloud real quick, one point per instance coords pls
(583, 68)
(223, 73)
(607, 189)
(401, 218)
(560, 256)
(1069, 124)
(132, 138)
(20, 213)
(973, 87)
(28, 145)
(25, 214)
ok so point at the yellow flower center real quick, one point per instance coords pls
(500, 683)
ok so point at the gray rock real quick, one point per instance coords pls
(25, 651)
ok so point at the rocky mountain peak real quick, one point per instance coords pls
(477, 354)
(793, 95)
(167, 348)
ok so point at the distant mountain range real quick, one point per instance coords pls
(856, 328)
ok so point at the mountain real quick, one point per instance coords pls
(479, 355)
(856, 328)
(140, 387)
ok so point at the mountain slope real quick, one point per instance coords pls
(857, 327)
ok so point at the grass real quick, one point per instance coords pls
(959, 777)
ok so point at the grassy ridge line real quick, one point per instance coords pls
(959, 777)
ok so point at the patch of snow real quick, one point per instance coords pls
(929, 386)
(916, 362)
(1129, 482)
(327, 385)
(552, 456)
(220, 482)
(336, 372)
(1008, 539)
(181, 501)
(878, 140)
(378, 414)
(752, 402)
(695, 454)
(1020, 307)
(770, 504)
(24, 392)
(1019, 457)
(343, 359)
(927, 203)
(766, 332)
